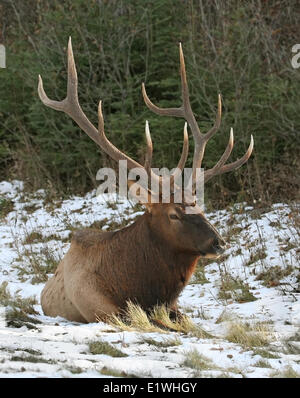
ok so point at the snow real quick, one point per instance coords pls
(63, 346)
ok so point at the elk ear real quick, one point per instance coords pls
(143, 195)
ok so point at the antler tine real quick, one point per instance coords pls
(72, 96)
(226, 153)
(221, 168)
(149, 151)
(184, 154)
(177, 112)
(185, 149)
(208, 174)
(184, 110)
(186, 105)
(70, 104)
(72, 87)
(113, 151)
(100, 121)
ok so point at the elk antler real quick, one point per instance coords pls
(185, 111)
(70, 105)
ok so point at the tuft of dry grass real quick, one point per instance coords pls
(18, 309)
(183, 324)
(33, 237)
(5, 296)
(265, 353)
(106, 371)
(249, 335)
(32, 359)
(104, 348)
(258, 255)
(287, 373)
(262, 363)
(135, 318)
(165, 343)
(198, 362)
(6, 206)
(38, 265)
(272, 276)
(7, 300)
(235, 289)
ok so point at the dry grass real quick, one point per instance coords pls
(258, 254)
(7, 300)
(235, 289)
(198, 362)
(262, 363)
(106, 371)
(32, 359)
(272, 276)
(104, 348)
(249, 335)
(6, 206)
(265, 353)
(18, 309)
(165, 343)
(33, 237)
(287, 373)
(135, 318)
(37, 265)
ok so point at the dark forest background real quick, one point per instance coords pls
(241, 49)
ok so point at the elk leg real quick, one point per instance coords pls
(176, 315)
(96, 308)
(162, 325)
(92, 304)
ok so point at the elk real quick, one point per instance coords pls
(150, 261)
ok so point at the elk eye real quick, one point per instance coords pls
(174, 217)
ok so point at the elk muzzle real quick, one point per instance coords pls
(218, 246)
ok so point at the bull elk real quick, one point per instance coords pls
(150, 261)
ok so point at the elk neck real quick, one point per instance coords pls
(156, 247)
(152, 272)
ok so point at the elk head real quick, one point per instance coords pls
(185, 231)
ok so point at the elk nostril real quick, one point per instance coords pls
(219, 246)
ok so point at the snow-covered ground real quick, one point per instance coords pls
(257, 283)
